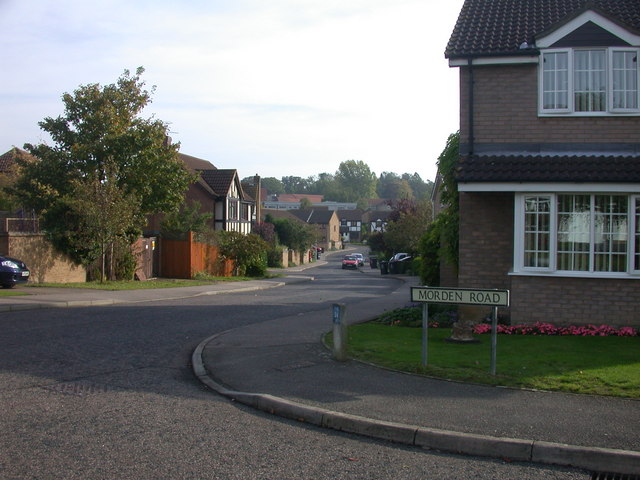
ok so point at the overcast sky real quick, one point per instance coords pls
(268, 87)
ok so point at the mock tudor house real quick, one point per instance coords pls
(219, 192)
(549, 166)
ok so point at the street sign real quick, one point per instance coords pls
(460, 296)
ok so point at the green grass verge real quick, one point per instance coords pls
(586, 365)
(11, 293)
(148, 284)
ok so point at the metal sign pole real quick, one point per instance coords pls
(494, 339)
(425, 332)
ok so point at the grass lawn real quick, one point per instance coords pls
(135, 285)
(7, 292)
(587, 365)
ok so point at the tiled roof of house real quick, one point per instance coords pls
(250, 191)
(549, 168)
(350, 215)
(195, 163)
(277, 213)
(220, 180)
(494, 27)
(314, 215)
(8, 159)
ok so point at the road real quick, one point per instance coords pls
(108, 392)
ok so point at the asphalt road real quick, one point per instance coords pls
(108, 392)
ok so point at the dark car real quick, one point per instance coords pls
(350, 261)
(12, 272)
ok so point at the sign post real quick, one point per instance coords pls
(339, 332)
(425, 332)
(460, 296)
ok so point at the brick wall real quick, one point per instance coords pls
(486, 240)
(486, 258)
(44, 263)
(506, 111)
(575, 301)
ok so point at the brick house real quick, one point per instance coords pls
(325, 222)
(549, 165)
(219, 192)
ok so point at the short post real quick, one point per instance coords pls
(339, 332)
(494, 339)
(425, 332)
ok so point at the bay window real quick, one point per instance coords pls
(578, 234)
(595, 81)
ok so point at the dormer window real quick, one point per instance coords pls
(583, 81)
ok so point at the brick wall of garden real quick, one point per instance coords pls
(44, 262)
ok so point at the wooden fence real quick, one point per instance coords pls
(186, 258)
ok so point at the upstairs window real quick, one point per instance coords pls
(590, 81)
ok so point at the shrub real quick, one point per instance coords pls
(540, 328)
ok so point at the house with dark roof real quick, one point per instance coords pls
(549, 159)
(219, 192)
(351, 222)
(326, 223)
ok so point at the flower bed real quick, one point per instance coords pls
(548, 329)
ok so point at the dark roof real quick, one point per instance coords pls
(250, 191)
(277, 213)
(219, 180)
(495, 27)
(313, 215)
(8, 159)
(541, 168)
(195, 163)
(355, 215)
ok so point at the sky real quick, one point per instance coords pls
(269, 87)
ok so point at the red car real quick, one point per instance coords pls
(350, 261)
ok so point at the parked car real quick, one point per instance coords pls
(399, 263)
(398, 256)
(12, 272)
(350, 261)
(360, 258)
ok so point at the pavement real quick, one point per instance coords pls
(282, 367)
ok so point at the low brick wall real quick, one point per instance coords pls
(44, 262)
(575, 301)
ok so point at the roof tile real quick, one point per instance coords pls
(540, 168)
(493, 27)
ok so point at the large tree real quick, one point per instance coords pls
(356, 181)
(407, 223)
(102, 138)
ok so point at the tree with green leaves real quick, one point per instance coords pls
(407, 225)
(104, 214)
(249, 252)
(102, 139)
(272, 184)
(294, 234)
(390, 185)
(355, 181)
(441, 239)
(189, 218)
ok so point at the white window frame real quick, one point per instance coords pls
(570, 109)
(634, 203)
(519, 239)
